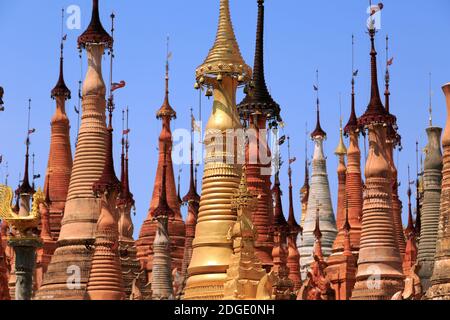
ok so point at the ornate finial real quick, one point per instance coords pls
(352, 124)
(318, 132)
(375, 113)
(2, 92)
(125, 197)
(410, 228)
(225, 56)
(25, 187)
(341, 149)
(166, 110)
(192, 194)
(95, 34)
(430, 109)
(61, 90)
(387, 77)
(258, 97)
(294, 226)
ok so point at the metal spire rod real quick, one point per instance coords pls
(430, 110)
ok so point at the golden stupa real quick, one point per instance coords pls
(222, 72)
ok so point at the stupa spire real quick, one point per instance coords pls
(410, 258)
(176, 225)
(61, 90)
(319, 193)
(342, 265)
(379, 247)
(25, 187)
(78, 231)
(95, 33)
(259, 110)
(304, 191)
(294, 230)
(258, 97)
(318, 131)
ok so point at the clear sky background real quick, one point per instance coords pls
(301, 36)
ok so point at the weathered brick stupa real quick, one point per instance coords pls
(59, 167)
(319, 195)
(393, 140)
(193, 201)
(245, 271)
(379, 274)
(293, 259)
(162, 262)
(341, 152)
(131, 267)
(68, 271)
(223, 70)
(176, 224)
(4, 290)
(410, 259)
(440, 280)
(45, 253)
(429, 217)
(105, 275)
(284, 286)
(259, 108)
(341, 268)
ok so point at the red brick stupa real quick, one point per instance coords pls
(379, 274)
(341, 268)
(59, 167)
(176, 225)
(284, 285)
(259, 108)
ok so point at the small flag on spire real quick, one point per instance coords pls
(291, 161)
(355, 73)
(31, 131)
(115, 86)
(77, 111)
(127, 131)
(316, 88)
(64, 38)
(282, 140)
(390, 61)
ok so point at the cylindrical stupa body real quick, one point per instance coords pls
(211, 248)
(379, 274)
(440, 280)
(319, 194)
(258, 177)
(432, 180)
(68, 272)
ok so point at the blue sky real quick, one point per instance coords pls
(301, 36)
